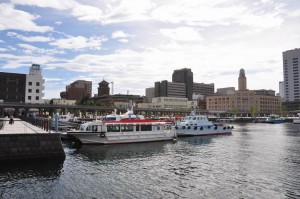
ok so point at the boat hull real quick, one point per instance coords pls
(121, 138)
(198, 131)
(296, 121)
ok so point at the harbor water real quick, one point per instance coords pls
(256, 161)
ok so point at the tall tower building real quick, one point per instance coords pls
(103, 89)
(242, 81)
(185, 75)
(34, 85)
(291, 74)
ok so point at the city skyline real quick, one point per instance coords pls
(136, 43)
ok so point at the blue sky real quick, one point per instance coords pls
(135, 43)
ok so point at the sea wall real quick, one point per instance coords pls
(30, 146)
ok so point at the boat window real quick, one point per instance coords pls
(194, 118)
(137, 128)
(113, 128)
(127, 128)
(89, 128)
(146, 127)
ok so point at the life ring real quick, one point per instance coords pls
(232, 127)
(102, 134)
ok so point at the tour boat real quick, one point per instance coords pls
(196, 125)
(123, 131)
(297, 120)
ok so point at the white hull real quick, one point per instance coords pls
(296, 121)
(204, 130)
(124, 137)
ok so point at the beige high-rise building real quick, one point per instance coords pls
(245, 101)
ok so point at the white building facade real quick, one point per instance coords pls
(34, 85)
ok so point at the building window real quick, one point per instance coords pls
(30, 83)
(37, 90)
(38, 84)
(29, 97)
(29, 90)
(37, 98)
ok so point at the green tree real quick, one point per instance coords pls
(254, 111)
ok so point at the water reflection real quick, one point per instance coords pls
(30, 169)
(120, 151)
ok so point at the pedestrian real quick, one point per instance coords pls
(11, 119)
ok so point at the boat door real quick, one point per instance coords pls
(97, 128)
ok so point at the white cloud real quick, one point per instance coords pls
(79, 42)
(3, 49)
(32, 50)
(29, 38)
(182, 34)
(119, 34)
(10, 18)
(57, 4)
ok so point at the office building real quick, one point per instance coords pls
(243, 101)
(170, 89)
(16, 87)
(34, 85)
(185, 76)
(204, 89)
(78, 90)
(291, 74)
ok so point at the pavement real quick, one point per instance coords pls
(19, 127)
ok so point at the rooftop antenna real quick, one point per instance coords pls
(112, 88)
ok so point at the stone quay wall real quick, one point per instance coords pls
(30, 146)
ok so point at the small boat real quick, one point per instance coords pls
(123, 131)
(196, 125)
(274, 119)
(297, 120)
(128, 115)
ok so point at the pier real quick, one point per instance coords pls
(23, 141)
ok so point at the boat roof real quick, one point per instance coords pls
(134, 122)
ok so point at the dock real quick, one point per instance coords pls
(23, 141)
(19, 127)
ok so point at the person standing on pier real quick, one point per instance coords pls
(11, 119)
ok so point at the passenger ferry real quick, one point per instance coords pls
(123, 131)
(196, 125)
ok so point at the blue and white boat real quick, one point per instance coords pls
(274, 119)
(197, 125)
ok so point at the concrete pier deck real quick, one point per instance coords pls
(23, 141)
(19, 127)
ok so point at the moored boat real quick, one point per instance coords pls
(297, 120)
(274, 119)
(196, 125)
(123, 131)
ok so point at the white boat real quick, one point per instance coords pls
(128, 115)
(196, 125)
(297, 120)
(123, 131)
(65, 118)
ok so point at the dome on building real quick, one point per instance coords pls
(242, 72)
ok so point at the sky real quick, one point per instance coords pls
(135, 43)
